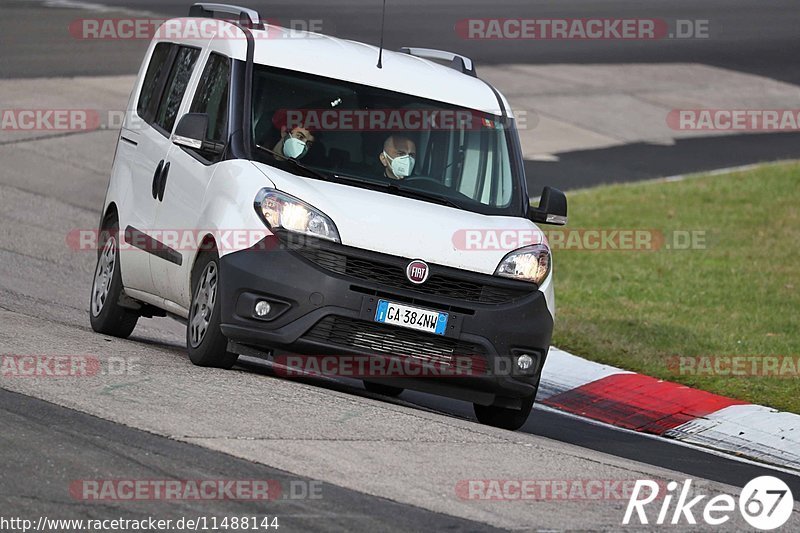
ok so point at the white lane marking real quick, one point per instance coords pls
(715, 172)
(754, 430)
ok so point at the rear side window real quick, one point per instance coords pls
(157, 70)
(212, 96)
(176, 87)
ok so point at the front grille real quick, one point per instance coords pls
(378, 338)
(448, 284)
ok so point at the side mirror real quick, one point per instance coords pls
(552, 208)
(191, 132)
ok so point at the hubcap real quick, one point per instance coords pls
(203, 304)
(103, 275)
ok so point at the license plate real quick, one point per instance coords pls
(411, 317)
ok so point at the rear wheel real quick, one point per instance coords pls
(105, 313)
(206, 344)
(384, 390)
(504, 417)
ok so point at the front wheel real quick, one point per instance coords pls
(206, 344)
(105, 314)
(504, 417)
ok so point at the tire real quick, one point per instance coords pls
(384, 390)
(105, 313)
(504, 417)
(205, 342)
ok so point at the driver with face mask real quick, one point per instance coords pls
(398, 157)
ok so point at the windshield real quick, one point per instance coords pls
(398, 143)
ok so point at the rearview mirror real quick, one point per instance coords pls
(191, 133)
(552, 208)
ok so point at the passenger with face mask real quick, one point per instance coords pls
(295, 143)
(398, 156)
(296, 140)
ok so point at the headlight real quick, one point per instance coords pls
(282, 211)
(531, 263)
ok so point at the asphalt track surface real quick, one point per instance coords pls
(37, 435)
(46, 445)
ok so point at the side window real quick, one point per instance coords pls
(212, 96)
(157, 70)
(176, 87)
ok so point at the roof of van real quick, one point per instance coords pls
(355, 62)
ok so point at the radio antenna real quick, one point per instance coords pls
(383, 23)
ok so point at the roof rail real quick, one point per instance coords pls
(248, 18)
(461, 63)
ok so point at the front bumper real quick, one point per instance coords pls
(323, 297)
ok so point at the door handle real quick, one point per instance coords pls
(163, 180)
(156, 178)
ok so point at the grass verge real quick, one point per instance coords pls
(735, 292)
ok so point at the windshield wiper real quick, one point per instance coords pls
(393, 188)
(422, 195)
(297, 164)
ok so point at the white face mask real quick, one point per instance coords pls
(293, 147)
(402, 165)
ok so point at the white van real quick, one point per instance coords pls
(286, 192)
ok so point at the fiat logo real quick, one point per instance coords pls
(417, 271)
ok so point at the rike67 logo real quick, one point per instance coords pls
(766, 503)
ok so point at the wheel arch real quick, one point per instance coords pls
(111, 209)
(207, 244)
